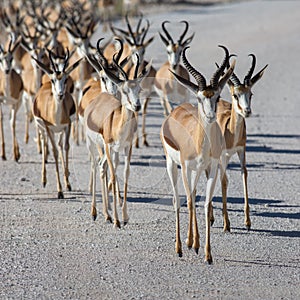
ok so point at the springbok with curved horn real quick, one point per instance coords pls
(111, 124)
(167, 88)
(53, 111)
(192, 139)
(11, 90)
(138, 45)
(231, 118)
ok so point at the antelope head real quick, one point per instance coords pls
(207, 95)
(174, 50)
(100, 63)
(137, 41)
(80, 35)
(129, 88)
(6, 57)
(58, 75)
(12, 27)
(241, 91)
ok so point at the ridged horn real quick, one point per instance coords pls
(145, 32)
(166, 32)
(136, 71)
(184, 32)
(130, 29)
(251, 70)
(196, 74)
(120, 69)
(104, 61)
(120, 52)
(234, 79)
(216, 76)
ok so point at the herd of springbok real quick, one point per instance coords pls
(70, 87)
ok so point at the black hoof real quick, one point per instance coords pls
(94, 217)
(69, 188)
(44, 184)
(196, 250)
(117, 224)
(248, 227)
(3, 157)
(179, 254)
(212, 222)
(60, 195)
(109, 220)
(145, 143)
(208, 261)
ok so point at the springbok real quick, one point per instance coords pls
(31, 74)
(11, 90)
(137, 46)
(81, 41)
(53, 111)
(192, 139)
(167, 88)
(110, 123)
(231, 117)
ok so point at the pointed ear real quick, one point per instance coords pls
(165, 41)
(43, 66)
(146, 70)
(188, 84)
(112, 77)
(93, 62)
(148, 42)
(128, 41)
(188, 40)
(227, 75)
(75, 65)
(258, 76)
(16, 44)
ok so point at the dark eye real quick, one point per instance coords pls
(236, 97)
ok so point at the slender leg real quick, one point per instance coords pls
(144, 112)
(2, 135)
(42, 134)
(137, 130)
(113, 184)
(13, 131)
(67, 149)
(116, 162)
(93, 160)
(127, 157)
(186, 177)
(212, 218)
(163, 102)
(173, 175)
(196, 242)
(60, 194)
(208, 202)
(28, 115)
(242, 157)
(224, 184)
(104, 188)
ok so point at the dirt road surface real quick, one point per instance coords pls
(51, 249)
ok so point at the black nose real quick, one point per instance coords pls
(247, 112)
(137, 107)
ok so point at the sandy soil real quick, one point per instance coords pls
(51, 249)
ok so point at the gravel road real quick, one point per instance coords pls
(51, 249)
